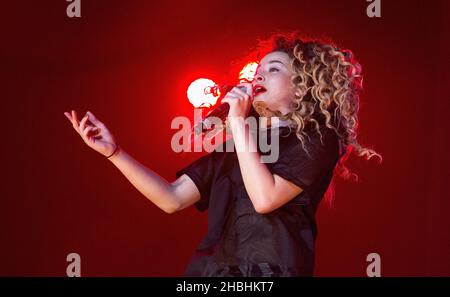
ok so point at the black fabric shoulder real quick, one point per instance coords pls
(296, 166)
(201, 172)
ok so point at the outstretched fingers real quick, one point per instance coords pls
(83, 123)
(88, 131)
(74, 120)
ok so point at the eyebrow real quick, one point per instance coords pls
(276, 61)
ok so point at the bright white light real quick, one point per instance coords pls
(199, 93)
(248, 72)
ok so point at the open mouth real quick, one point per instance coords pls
(258, 90)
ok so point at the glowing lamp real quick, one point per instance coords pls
(203, 92)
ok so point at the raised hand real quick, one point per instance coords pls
(94, 133)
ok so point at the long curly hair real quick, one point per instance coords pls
(327, 81)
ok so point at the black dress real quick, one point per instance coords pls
(242, 242)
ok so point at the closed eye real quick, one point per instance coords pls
(273, 69)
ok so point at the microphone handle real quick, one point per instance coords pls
(221, 112)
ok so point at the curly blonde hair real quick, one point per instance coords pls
(327, 82)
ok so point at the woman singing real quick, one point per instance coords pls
(261, 216)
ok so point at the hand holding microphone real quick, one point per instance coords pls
(239, 99)
(203, 91)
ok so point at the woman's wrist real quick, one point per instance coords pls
(236, 122)
(116, 151)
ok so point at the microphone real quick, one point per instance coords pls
(220, 111)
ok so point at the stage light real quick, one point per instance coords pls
(203, 92)
(247, 73)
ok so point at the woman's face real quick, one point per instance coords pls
(272, 84)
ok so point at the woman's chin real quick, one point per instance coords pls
(262, 108)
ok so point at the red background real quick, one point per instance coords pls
(130, 62)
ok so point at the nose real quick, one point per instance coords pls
(259, 77)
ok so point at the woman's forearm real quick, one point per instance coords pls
(258, 180)
(146, 181)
